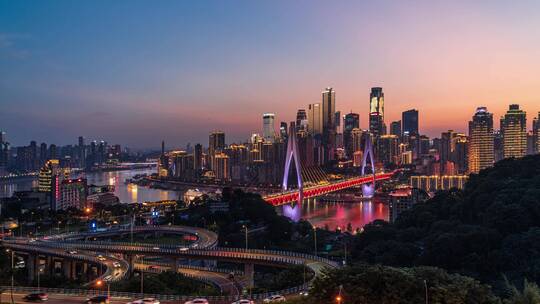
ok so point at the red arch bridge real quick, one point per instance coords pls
(283, 198)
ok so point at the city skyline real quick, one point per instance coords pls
(62, 82)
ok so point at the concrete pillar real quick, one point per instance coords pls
(129, 259)
(66, 268)
(249, 273)
(49, 265)
(32, 267)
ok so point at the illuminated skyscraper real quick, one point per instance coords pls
(376, 112)
(481, 154)
(314, 116)
(283, 130)
(221, 166)
(387, 149)
(216, 142)
(514, 132)
(269, 130)
(536, 133)
(301, 120)
(351, 122)
(395, 128)
(328, 122)
(410, 122)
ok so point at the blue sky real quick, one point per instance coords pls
(134, 72)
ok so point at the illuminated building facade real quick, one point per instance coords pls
(269, 131)
(514, 132)
(536, 133)
(73, 193)
(481, 141)
(329, 123)
(433, 183)
(376, 112)
(387, 149)
(221, 167)
(351, 122)
(410, 122)
(314, 116)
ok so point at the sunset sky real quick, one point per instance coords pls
(136, 72)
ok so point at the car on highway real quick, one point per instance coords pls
(274, 299)
(116, 264)
(198, 301)
(145, 301)
(97, 300)
(101, 258)
(36, 296)
(243, 301)
(155, 248)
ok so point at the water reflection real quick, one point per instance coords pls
(126, 193)
(336, 215)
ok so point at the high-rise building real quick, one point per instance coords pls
(514, 132)
(410, 122)
(351, 122)
(301, 119)
(446, 151)
(329, 123)
(376, 112)
(163, 165)
(357, 136)
(198, 157)
(536, 133)
(283, 130)
(481, 144)
(337, 120)
(73, 193)
(216, 142)
(387, 149)
(315, 122)
(221, 166)
(269, 130)
(395, 128)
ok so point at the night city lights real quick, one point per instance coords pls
(301, 152)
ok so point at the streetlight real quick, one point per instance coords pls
(315, 238)
(246, 230)
(99, 283)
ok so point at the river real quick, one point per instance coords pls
(320, 214)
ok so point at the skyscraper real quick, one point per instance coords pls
(301, 119)
(481, 154)
(328, 122)
(216, 142)
(269, 130)
(447, 147)
(198, 157)
(220, 166)
(376, 112)
(395, 128)
(283, 130)
(536, 133)
(314, 116)
(410, 122)
(351, 121)
(514, 132)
